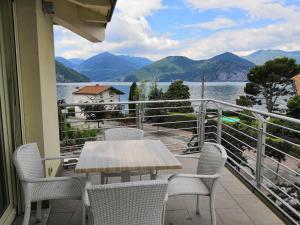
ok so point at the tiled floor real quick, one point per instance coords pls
(235, 205)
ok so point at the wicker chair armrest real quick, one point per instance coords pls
(190, 156)
(56, 158)
(166, 198)
(200, 176)
(86, 200)
(48, 179)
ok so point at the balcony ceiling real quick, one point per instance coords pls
(87, 18)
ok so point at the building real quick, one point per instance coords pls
(98, 93)
(28, 104)
(296, 80)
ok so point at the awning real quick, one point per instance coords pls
(87, 18)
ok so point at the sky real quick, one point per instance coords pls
(198, 29)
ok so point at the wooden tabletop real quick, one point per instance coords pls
(122, 156)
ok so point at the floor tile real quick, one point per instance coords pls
(234, 217)
(256, 210)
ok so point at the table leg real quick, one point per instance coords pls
(125, 177)
(153, 174)
(102, 178)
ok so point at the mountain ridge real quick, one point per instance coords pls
(109, 67)
(227, 66)
(65, 74)
(261, 56)
(223, 67)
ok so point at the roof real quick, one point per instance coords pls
(96, 89)
(87, 18)
(296, 79)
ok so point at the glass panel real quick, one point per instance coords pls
(4, 198)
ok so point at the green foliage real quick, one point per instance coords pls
(154, 109)
(292, 190)
(71, 111)
(190, 123)
(142, 90)
(98, 113)
(244, 101)
(178, 90)
(70, 136)
(289, 135)
(66, 74)
(269, 82)
(294, 107)
(278, 144)
(235, 154)
(133, 96)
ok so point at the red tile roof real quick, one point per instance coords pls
(296, 79)
(96, 89)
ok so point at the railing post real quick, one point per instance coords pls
(201, 122)
(261, 145)
(138, 117)
(141, 117)
(219, 126)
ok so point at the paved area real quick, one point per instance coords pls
(235, 205)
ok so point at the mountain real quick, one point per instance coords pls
(109, 67)
(65, 74)
(76, 61)
(224, 67)
(261, 56)
(65, 62)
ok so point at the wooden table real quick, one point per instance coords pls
(125, 156)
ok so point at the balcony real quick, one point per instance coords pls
(261, 179)
(235, 205)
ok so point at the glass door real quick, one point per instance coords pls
(9, 105)
(4, 195)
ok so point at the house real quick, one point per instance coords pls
(98, 93)
(296, 80)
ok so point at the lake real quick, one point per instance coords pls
(224, 91)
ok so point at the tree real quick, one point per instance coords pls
(142, 90)
(71, 136)
(269, 82)
(133, 96)
(94, 112)
(244, 101)
(155, 93)
(178, 90)
(294, 107)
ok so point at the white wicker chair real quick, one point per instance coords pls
(36, 187)
(131, 203)
(210, 164)
(125, 133)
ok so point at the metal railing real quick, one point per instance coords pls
(264, 148)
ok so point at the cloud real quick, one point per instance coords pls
(257, 9)
(138, 8)
(245, 40)
(128, 33)
(216, 24)
(282, 34)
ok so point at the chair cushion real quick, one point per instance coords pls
(185, 186)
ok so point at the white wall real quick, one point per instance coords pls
(38, 79)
